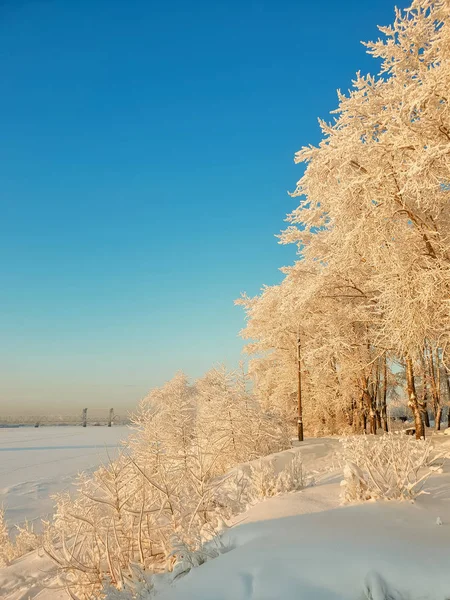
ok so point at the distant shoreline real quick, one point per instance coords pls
(65, 423)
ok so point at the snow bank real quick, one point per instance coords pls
(31, 576)
(304, 546)
(328, 555)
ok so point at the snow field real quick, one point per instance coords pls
(36, 463)
(305, 546)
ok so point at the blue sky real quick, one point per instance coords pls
(146, 151)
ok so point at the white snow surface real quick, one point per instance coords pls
(36, 463)
(326, 555)
(306, 546)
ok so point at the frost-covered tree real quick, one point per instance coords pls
(343, 372)
(372, 225)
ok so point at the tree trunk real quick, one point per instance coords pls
(384, 396)
(412, 399)
(361, 416)
(350, 414)
(437, 423)
(448, 399)
(378, 419)
(368, 407)
(435, 384)
(384, 421)
(357, 417)
(424, 401)
(370, 411)
(299, 392)
(373, 422)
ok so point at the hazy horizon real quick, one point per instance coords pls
(71, 402)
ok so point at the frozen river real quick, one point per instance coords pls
(36, 463)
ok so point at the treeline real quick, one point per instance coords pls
(365, 308)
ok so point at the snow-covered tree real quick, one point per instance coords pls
(373, 276)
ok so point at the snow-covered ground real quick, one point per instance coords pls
(36, 463)
(328, 555)
(306, 546)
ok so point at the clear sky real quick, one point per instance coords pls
(146, 150)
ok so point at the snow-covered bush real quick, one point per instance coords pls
(188, 558)
(265, 482)
(139, 586)
(251, 483)
(390, 467)
(354, 484)
(159, 506)
(294, 477)
(131, 513)
(5, 542)
(234, 493)
(25, 541)
(142, 584)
